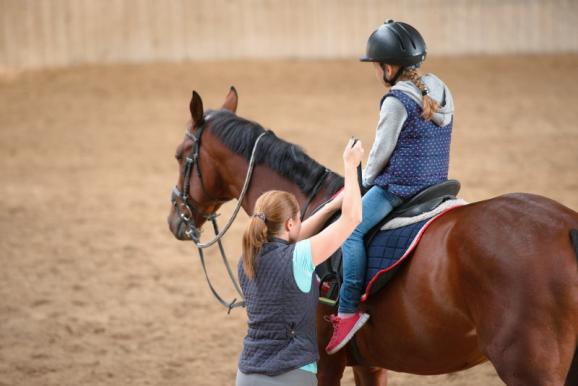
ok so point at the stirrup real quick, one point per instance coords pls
(332, 294)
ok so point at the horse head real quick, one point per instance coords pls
(217, 159)
(199, 192)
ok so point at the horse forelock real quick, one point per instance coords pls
(287, 159)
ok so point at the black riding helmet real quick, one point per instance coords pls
(396, 43)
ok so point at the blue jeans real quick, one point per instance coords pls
(376, 204)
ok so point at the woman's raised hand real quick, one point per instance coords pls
(353, 153)
(324, 244)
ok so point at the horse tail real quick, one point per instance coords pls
(572, 378)
(574, 237)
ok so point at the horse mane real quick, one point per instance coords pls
(287, 159)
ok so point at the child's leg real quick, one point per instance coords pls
(376, 204)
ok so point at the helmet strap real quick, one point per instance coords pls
(393, 80)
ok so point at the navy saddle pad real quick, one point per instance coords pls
(385, 252)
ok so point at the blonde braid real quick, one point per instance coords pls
(429, 105)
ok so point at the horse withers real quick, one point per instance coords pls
(493, 280)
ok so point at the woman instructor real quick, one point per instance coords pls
(278, 282)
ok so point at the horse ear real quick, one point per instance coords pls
(231, 100)
(196, 107)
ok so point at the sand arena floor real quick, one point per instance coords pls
(94, 290)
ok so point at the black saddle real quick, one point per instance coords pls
(330, 272)
(423, 202)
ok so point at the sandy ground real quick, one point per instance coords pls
(94, 290)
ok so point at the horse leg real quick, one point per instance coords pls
(531, 340)
(530, 358)
(370, 376)
(535, 347)
(330, 369)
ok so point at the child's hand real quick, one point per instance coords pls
(353, 154)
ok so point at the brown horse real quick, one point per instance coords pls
(494, 280)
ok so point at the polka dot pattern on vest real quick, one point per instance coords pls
(421, 156)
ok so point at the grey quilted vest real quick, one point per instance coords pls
(282, 332)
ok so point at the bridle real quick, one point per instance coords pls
(187, 203)
(187, 208)
(192, 163)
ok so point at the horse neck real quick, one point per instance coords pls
(265, 179)
(234, 169)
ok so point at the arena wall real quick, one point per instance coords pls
(36, 34)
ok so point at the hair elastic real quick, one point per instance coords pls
(260, 215)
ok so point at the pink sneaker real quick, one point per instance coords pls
(344, 329)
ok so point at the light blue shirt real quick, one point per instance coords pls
(303, 269)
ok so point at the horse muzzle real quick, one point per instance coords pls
(182, 222)
(178, 226)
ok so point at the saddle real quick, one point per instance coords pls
(330, 272)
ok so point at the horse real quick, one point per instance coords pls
(492, 280)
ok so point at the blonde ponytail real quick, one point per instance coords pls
(272, 210)
(429, 105)
(253, 239)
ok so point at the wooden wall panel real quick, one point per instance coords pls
(47, 33)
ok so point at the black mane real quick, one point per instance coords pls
(287, 159)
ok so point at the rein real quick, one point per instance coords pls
(193, 231)
(314, 192)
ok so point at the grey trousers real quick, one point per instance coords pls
(295, 377)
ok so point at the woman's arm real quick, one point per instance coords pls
(313, 224)
(326, 243)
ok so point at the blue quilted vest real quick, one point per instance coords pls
(282, 331)
(421, 156)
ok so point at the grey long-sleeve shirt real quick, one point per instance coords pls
(392, 116)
